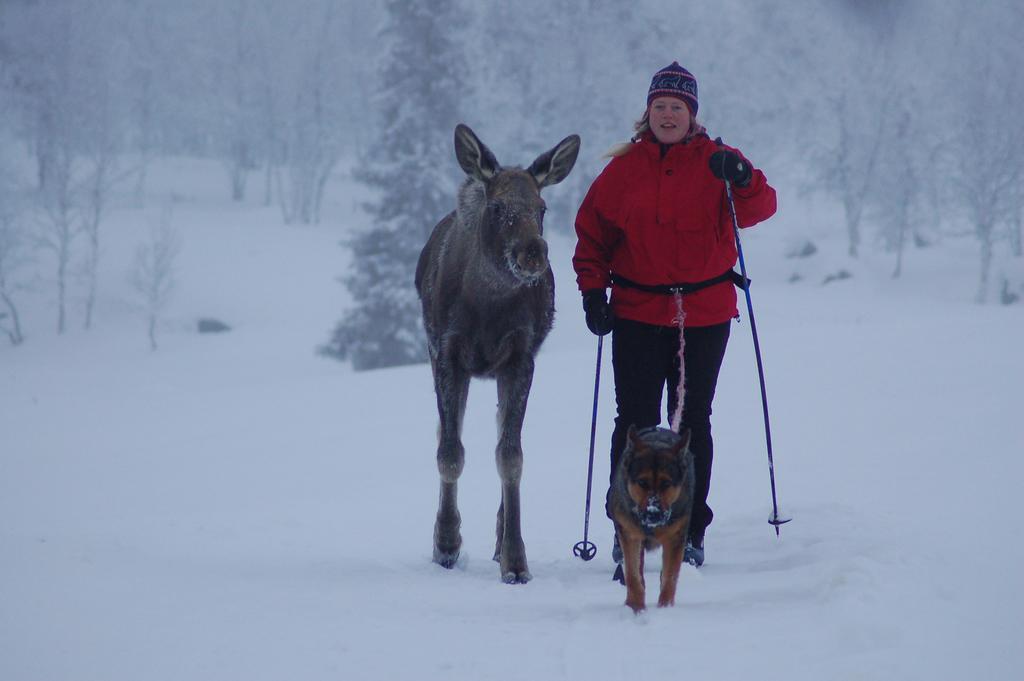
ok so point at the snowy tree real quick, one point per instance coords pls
(147, 65)
(98, 130)
(1016, 222)
(564, 78)
(63, 93)
(983, 152)
(897, 198)
(522, 105)
(904, 201)
(59, 223)
(232, 89)
(311, 142)
(985, 172)
(15, 246)
(846, 162)
(15, 255)
(284, 91)
(411, 168)
(153, 274)
(534, 84)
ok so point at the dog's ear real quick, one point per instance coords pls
(684, 441)
(632, 438)
(632, 441)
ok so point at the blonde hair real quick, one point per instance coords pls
(642, 126)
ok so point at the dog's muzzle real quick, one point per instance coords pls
(653, 515)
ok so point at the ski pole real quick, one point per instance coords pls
(774, 520)
(586, 549)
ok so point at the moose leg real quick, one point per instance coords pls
(513, 390)
(499, 532)
(452, 388)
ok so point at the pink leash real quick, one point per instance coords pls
(677, 415)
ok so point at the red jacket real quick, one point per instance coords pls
(657, 220)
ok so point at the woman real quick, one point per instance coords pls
(656, 219)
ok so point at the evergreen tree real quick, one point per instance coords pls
(411, 168)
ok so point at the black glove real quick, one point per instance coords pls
(599, 313)
(728, 165)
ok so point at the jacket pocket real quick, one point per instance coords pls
(696, 240)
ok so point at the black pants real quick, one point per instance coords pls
(645, 359)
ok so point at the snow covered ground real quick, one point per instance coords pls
(234, 507)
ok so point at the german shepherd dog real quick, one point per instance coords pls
(650, 502)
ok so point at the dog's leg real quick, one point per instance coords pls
(633, 569)
(452, 387)
(513, 390)
(671, 560)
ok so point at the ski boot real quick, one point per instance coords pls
(619, 576)
(694, 551)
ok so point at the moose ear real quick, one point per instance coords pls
(475, 158)
(554, 165)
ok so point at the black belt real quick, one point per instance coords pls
(684, 288)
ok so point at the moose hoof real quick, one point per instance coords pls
(516, 576)
(446, 559)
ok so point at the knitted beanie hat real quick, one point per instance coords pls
(674, 81)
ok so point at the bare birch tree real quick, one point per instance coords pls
(62, 87)
(58, 230)
(313, 142)
(153, 276)
(1016, 218)
(97, 129)
(899, 199)
(986, 166)
(849, 169)
(233, 86)
(15, 255)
